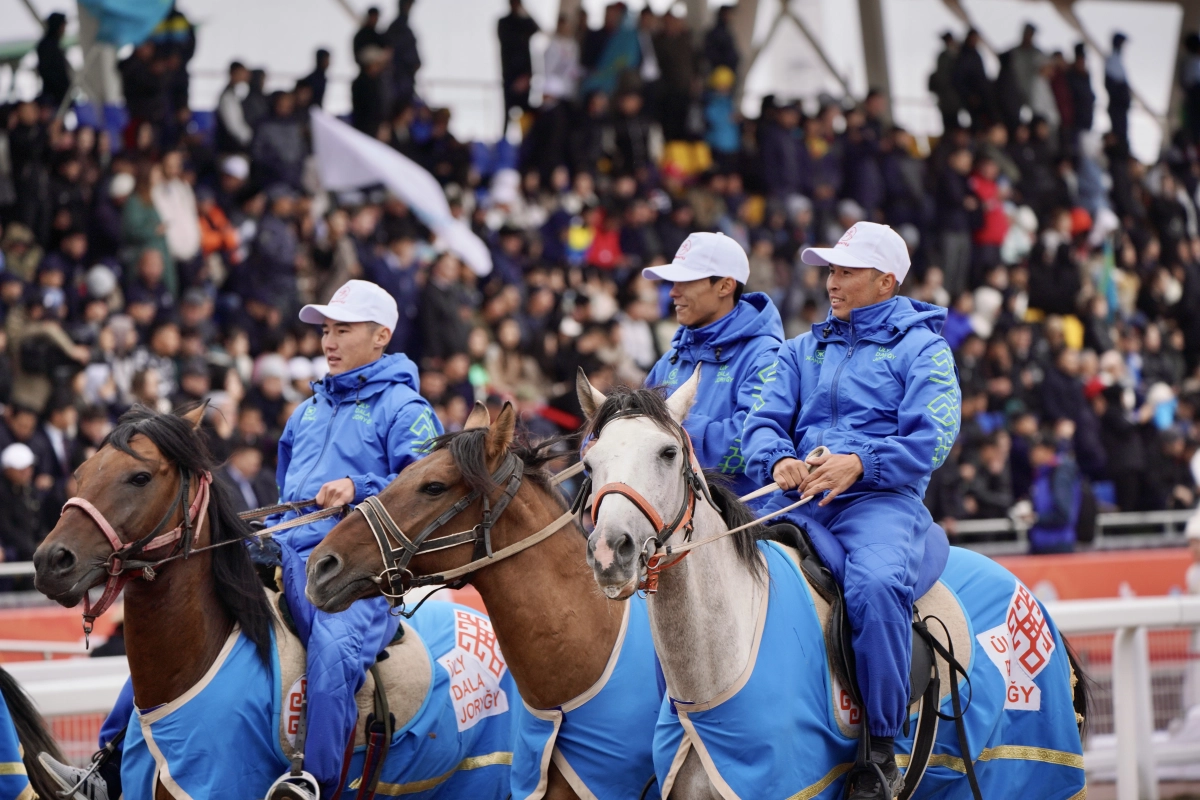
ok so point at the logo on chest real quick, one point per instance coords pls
(362, 413)
(724, 375)
(817, 357)
(310, 413)
(882, 353)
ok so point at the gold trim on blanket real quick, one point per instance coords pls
(475, 762)
(12, 768)
(823, 784)
(1006, 751)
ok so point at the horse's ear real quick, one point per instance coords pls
(196, 415)
(590, 398)
(680, 403)
(480, 418)
(500, 435)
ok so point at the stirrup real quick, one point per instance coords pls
(294, 787)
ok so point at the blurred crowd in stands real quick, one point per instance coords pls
(164, 263)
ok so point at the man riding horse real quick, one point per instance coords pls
(876, 384)
(365, 423)
(736, 334)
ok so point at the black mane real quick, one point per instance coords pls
(468, 448)
(652, 404)
(238, 587)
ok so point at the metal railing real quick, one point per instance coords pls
(1120, 530)
(1135, 758)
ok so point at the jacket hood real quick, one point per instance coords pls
(754, 315)
(883, 320)
(370, 379)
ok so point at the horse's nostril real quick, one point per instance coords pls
(626, 549)
(327, 568)
(60, 560)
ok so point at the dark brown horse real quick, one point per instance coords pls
(554, 626)
(177, 623)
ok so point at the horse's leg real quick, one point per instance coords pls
(161, 793)
(557, 787)
(692, 782)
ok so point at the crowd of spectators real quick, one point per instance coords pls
(166, 264)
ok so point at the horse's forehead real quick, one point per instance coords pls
(623, 437)
(108, 459)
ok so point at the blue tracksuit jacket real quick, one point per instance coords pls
(883, 386)
(735, 350)
(367, 425)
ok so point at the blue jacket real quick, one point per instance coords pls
(882, 385)
(366, 424)
(1056, 495)
(734, 350)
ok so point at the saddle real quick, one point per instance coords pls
(931, 656)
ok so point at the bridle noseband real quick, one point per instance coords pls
(654, 561)
(396, 579)
(122, 564)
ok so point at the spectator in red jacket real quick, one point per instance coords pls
(993, 219)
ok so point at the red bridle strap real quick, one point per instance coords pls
(117, 576)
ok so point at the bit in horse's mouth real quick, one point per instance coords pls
(72, 595)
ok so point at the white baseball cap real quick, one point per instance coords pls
(16, 456)
(864, 245)
(704, 255)
(356, 301)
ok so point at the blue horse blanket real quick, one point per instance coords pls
(221, 738)
(774, 733)
(14, 782)
(602, 741)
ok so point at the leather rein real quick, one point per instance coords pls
(656, 559)
(397, 549)
(124, 564)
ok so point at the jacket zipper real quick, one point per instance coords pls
(836, 375)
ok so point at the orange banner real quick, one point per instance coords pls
(1110, 573)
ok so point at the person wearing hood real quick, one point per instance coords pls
(731, 336)
(365, 423)
(876, 384)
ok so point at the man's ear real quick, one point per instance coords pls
(383, 336)
(726, 287)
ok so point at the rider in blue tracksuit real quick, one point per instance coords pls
(877, 385)
(733, 336)
(365, 423)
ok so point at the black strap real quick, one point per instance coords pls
(956, 701)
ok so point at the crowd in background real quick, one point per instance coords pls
(164, 264)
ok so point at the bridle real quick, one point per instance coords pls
(657, 559)
(397, 549)
(123, 564)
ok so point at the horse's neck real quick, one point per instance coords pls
(174, 629)
(704, 615)
(555, 627)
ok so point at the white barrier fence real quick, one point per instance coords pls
(78, 687)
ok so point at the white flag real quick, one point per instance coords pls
(348, 159)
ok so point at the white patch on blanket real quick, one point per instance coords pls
(1021, 648)
(476, 667)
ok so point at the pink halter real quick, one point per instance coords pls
(117, 576)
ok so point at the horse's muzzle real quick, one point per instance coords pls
(60, 575)
(613, 557)
(331, 587)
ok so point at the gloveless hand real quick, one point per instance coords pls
(336, 493)
(832, 473)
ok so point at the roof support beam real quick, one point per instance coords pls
(870, 14)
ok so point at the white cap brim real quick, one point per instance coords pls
(316, 314)
(824, 256)
(675, 273)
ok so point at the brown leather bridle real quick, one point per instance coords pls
(655, 563)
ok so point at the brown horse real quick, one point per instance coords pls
(176, 624)
(555, 628)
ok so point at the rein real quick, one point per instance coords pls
(396, 549)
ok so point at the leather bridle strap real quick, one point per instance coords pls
(121, 566)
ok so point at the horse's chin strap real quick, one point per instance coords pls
(121, 565)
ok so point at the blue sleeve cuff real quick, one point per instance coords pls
(870, 462)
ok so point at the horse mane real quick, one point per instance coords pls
(32, 735)
(468, 449)
(651, 403)
(238, 587)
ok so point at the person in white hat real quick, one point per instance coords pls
(365, 422)
(876, 384)
(735, 336)
(20, 523)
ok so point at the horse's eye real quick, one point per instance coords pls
(434, 489)
(668, 453)
(140, 479)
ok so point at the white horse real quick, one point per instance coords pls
(707, 619)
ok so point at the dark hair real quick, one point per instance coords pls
(468, 449)
(652, 404)
(738, 290)
(237, 585)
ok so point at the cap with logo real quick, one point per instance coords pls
(704, 255)
(356, 301)
(866, 245)
(16, 456)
